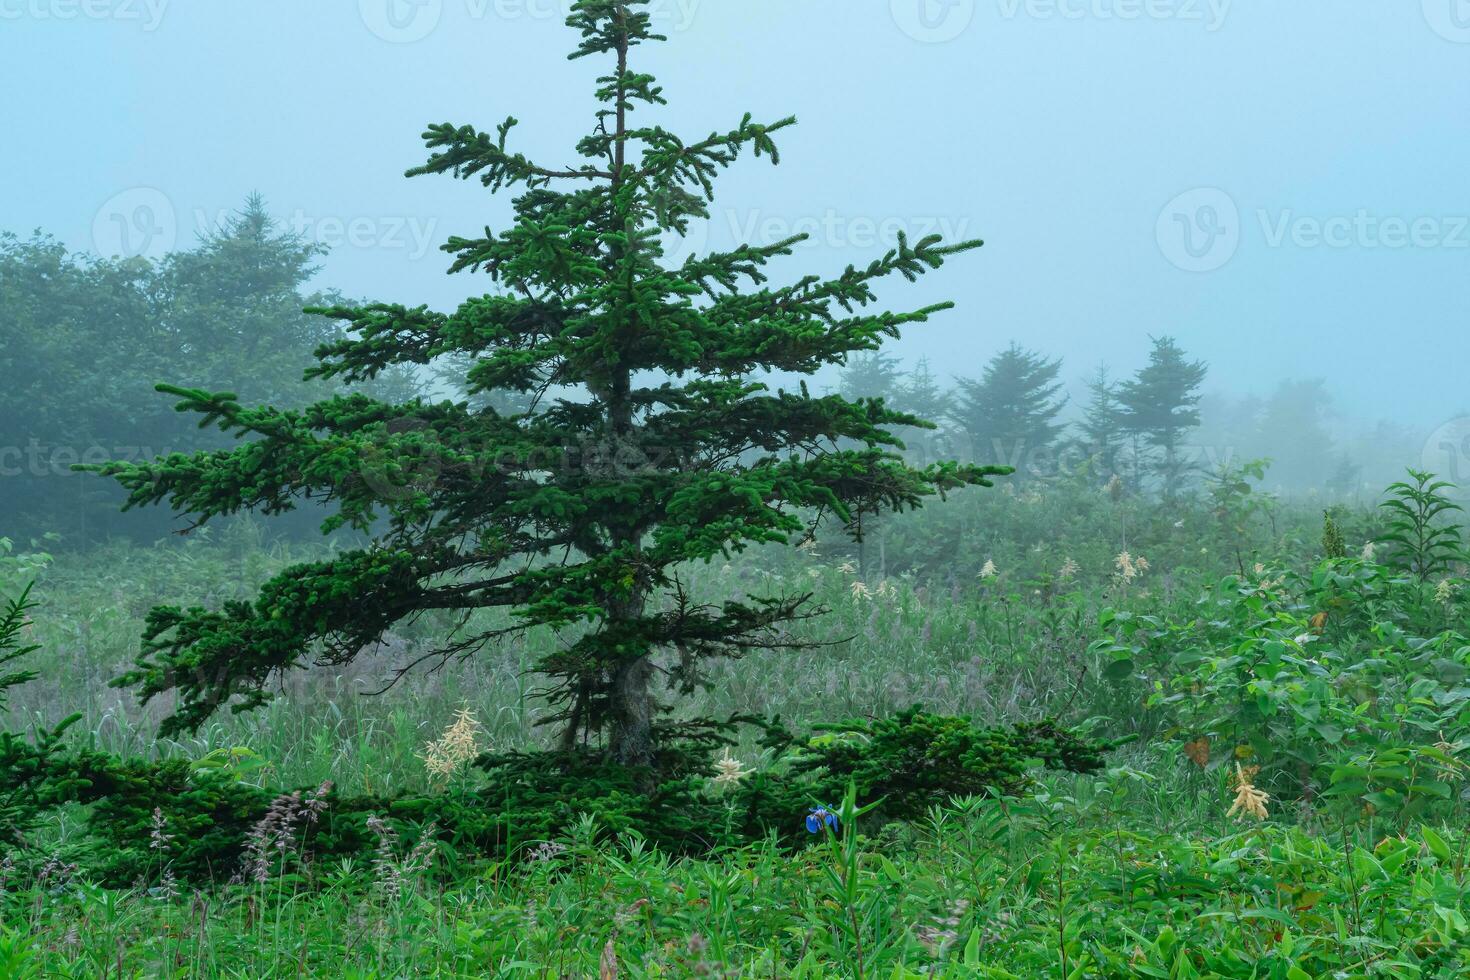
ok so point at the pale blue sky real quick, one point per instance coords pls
(1058, 130)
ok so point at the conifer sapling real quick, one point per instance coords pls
(642, 437)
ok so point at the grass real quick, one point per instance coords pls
(957, 650)
(1137, 871)
(981, 889)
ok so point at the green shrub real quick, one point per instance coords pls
(1315, 678)
(913, 760)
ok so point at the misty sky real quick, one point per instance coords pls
(1282, 185)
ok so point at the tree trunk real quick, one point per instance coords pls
(631, 739)
(631, 705)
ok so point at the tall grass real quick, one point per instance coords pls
(1138, 871)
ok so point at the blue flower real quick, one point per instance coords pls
(820, 815)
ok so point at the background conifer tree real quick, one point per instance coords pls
(1160, 406)
(1294, 432)
(871, 375)
(920, 393)
(1102, 424)
(649, 442)
(1009, 414)
(1346, 478)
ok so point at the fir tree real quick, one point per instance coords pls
(870, 375)
(1102, 424)
(1346, 477)
(1293, 433)
(1161, 404)
(649, 443)
(235, 304)
(920, 393)
(1009, 413)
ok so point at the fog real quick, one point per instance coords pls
(1279, 187)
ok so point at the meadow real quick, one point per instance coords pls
(642, 613)
(1283, 796)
